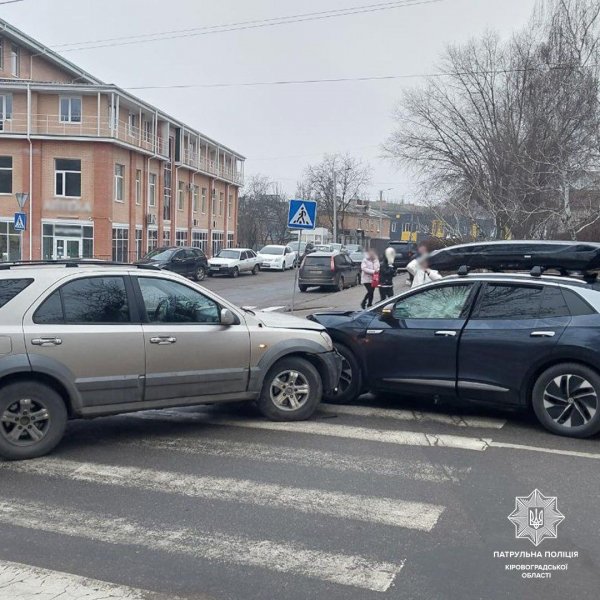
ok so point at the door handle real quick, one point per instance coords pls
(542, 334)
(374, 331)
(163, 340)
(46, 341)
(445, 333)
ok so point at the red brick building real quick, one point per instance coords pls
(108, 175)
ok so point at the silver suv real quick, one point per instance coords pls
(88, 339)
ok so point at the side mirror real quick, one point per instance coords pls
(227, 317)
(387, 314)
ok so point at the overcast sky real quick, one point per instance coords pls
(280, 129)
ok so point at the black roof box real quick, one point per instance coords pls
(519, 256)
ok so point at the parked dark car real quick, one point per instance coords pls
(334, 270)
(405, 252)
(512, 340)
(189, 262)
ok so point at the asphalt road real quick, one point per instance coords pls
(393, 498)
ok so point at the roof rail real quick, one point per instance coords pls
(75, 262)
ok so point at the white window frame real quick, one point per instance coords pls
(181, 196)
(221, 203)
(229, 206)
(63, 173)
(152, 237)
(125, 248)
(132, 127)
(195, 198)
(138, 187)
(181, 237)
(69, 115)
(15, 60)
(12, 165)
(139, 237)
(152, 185)
(203, 202)
(119, 183)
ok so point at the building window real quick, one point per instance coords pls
(2, 53)
(139, 244)
(120, 244)
(167, 192)
(60, 240)
(406, 227)
(6, 103)
(152, 239)
(221, 203)
(180, 195)
(203, 205)
(229, 206)
(195, 198)
(6, 163)
(119, 183)
(200, 240)
(132, 124)
(138, 187)
(217, 242)
(230, 240)
(67, 178)
(10, 242)
(166, 237)
(394, 226)
(213, 207)
(147, 131)
(152, 190)
(181, 238)
(70, 109)
(15, 60)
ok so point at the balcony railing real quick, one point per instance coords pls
(86, 127)
(203, 163)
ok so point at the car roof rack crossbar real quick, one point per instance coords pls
(463, 271)
(75, 262)
(537, 271)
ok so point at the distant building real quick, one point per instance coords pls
(109, 175)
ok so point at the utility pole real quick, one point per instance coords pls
(335, 224)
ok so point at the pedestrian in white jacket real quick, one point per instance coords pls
(368, 268)
(419, 269)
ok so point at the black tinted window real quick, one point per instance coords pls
(577, 305)
(9, 288)
(89, 300)
(318, 261)
(553, 304)
(510, 302)
(50, 311)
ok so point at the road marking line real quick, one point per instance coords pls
(24, 582)
(304, 457)
(387, 511)
(271, 308)
(344, 569)
(575, 453)
(386, 436)
(414, 415)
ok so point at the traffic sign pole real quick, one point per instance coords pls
(297, 271)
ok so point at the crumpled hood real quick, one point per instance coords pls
(222, 261)
(285, 321)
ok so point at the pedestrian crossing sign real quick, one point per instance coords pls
(302, 214)
(20, 221)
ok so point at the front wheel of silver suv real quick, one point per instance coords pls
(291, 390)
(33, 418)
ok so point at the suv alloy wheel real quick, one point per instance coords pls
(33, 418)
(200, 274)
(291, 390)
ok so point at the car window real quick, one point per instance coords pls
(501, 301)
(87, 300)
(244, 255)
(577, 305)
(9, 288)
(444, 302)
(179, 255)
(553, 304)
(318, 261)
(167, 301)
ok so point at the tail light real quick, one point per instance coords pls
(332, 265)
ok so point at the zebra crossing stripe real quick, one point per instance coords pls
(25, 582)
(414, 415)
(351, 570)
(305, 457)
(387, 511)
(385, 436)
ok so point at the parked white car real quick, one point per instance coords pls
(233, 261)
(277, 258)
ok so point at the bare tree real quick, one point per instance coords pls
(351, 178)
(512, 126)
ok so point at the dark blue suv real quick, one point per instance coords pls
(507, 339)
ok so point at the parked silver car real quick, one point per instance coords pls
(85, 340)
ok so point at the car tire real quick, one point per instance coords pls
(350, 384)
(277, 408)
(303, 288)
(235, 272)
(255, 270)
(22, 401)
(200, 274)
(566, 400)
(341, 285)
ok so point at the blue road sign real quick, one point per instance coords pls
(20, 221)
(302, 214)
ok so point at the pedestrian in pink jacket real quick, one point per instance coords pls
(368, 268)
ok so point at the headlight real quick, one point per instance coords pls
(328, 340)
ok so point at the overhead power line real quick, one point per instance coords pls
(240, 26)
(352, 79)
(10, 2)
